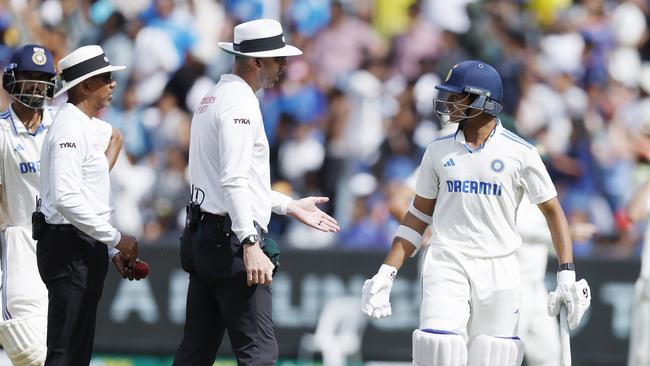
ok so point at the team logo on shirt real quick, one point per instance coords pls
(497, 165)
(449, 163)
(242, 121)
(67, 144)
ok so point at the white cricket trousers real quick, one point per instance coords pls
(469, 296)
(24, 295)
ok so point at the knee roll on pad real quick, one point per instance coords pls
(433, 347)
(22, 343)
(486, 350)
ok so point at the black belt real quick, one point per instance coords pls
(69, 228)
(224, 220)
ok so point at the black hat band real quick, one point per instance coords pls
(260, 44)
(85, 67)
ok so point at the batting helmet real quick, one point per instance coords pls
(478, 82)
(30, 76)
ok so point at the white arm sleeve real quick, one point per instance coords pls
(67, 154)
(235, 142)
(279, 202)
(112, 252)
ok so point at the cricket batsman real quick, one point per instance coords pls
(469, 187)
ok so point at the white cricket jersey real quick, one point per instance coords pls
(20, 167)
(75, 185)
(229, 157)
(478, 191)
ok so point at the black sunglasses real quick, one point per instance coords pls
(106, 77)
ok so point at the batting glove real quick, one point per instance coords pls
(576, 296)
(375, 295)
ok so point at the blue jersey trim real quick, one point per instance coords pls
(444, 137)
(512, 134)
(437, 331)
(530, 147)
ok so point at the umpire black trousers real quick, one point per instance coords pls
(73, 269)
(219, 300)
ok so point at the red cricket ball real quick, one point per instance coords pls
(140, 270)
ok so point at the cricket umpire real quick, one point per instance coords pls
(230, 275)
(71, 251)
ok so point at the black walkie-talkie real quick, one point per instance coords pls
(193, 209)
(38, 221)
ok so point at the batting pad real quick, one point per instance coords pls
(486, 350)
(433, 347)
(22, 343)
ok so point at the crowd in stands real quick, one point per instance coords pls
(351, 117)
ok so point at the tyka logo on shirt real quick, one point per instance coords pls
(242, 121)
(67, 144)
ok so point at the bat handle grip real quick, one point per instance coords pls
(565, 338)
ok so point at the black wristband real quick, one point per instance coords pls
(567, 267)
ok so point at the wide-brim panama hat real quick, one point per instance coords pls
(83, 63)
(259, 38)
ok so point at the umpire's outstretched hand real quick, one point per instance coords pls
(306, 211)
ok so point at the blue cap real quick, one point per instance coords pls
(33, 57)
(474, 77)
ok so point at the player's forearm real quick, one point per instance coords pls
(403, 248)
(399, 252)
(559, 227)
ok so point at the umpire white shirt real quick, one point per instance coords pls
(229, 157)
(478, 190)
(75, 185)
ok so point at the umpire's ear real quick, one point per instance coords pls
(258, 62)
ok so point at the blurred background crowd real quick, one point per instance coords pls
(351, 118)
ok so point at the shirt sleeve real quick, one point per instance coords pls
(236, 139)
(535, 179)
(112, 252)
(279, 202)
(104, 132)
(427, 182)
(67, 153)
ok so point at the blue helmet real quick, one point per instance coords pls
(30, 92)
(475, 78)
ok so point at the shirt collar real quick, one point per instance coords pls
(19, 127)
(459, 136)
(235, 78)
(81, 115)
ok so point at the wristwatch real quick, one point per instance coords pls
(251, 239)
(567, 267)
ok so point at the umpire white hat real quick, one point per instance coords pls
(259, 38)
(83, 63)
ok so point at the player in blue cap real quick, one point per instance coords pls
(30, 81)
(468, 189)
